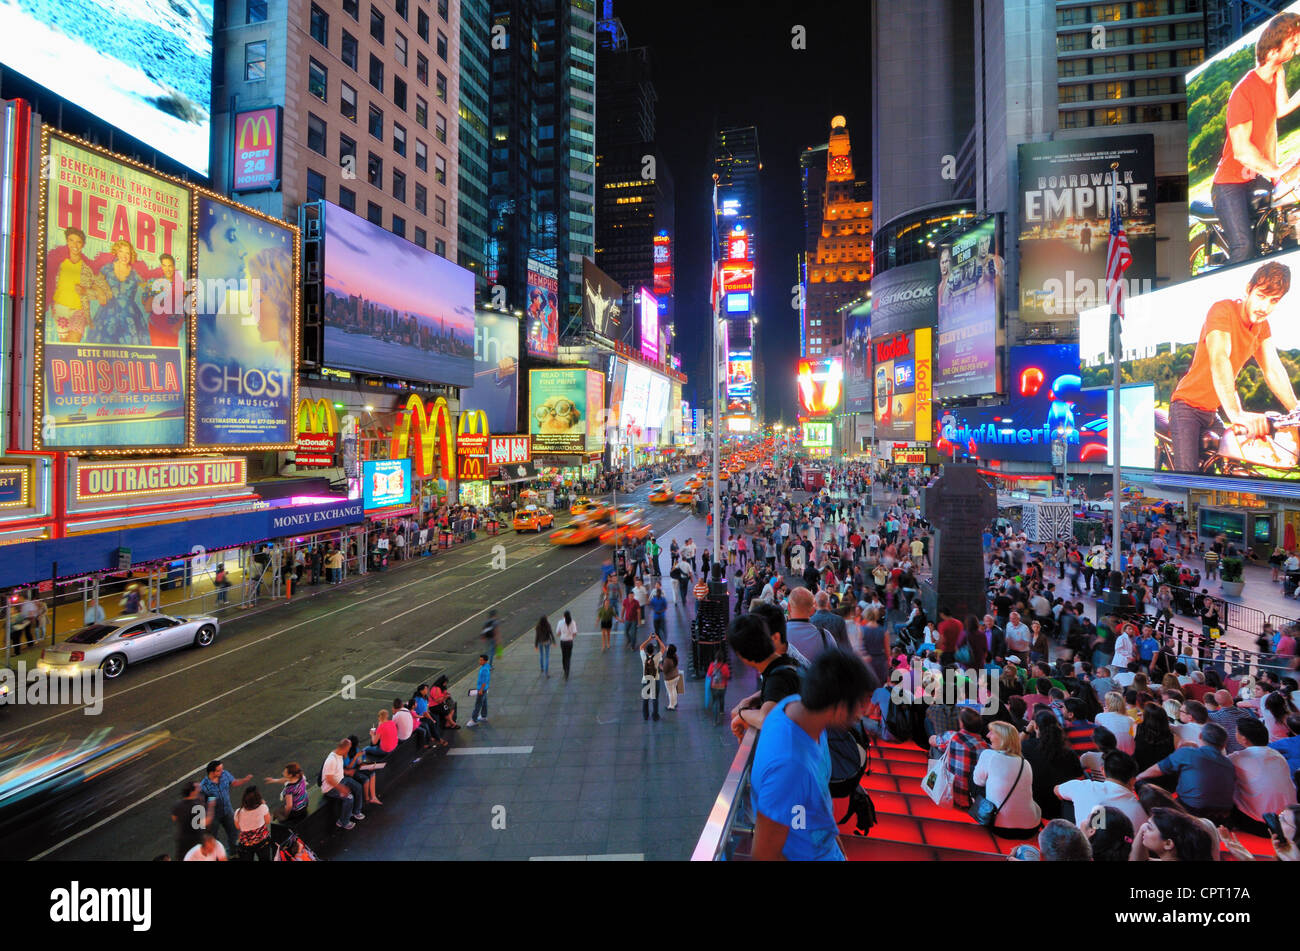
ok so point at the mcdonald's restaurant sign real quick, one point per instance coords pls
(417, 431)
(472, 439)
(318, 427)
(256, 140)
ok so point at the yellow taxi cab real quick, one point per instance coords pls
(662, 493)
(584, 528)
(583, 506)
(694, 482)
(686, 497)
(533, 518)
(633, 529)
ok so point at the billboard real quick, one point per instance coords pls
(663, 267)
(560, 415)
(737, 276)
(143, 67)
(596, 406)
(740, 381)
(648, 309)
(901, 373)
(256, 143)
(821, 384)
(857, 359)
(657, 399)
(112, 338)
(817, 435)
(543, 310)
(245, 329)
(1221, 94)
(496, 370)
(1064, 221)
(385, 483)
(905, 297)
(1224, 372)
(969, 299)
(602, 301)
(392, 308)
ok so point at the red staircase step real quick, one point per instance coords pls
(859, 849)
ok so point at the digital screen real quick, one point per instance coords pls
(821, 385)
(1220, 91)
(902, 409)
(257, 149)
(385, 483)
(969, 299)
(738, 302)
(144, 67)
(496, 370)
(392, 308)
(904, 373)
(246, 335)
(657, 401)
(560, 415)
(602, 301)
(740, 424)
(543, 311)
(1200, 418)
(857, 358)
(649, 308)
(636, 405)
(817, 435)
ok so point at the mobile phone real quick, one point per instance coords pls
(1274, 825)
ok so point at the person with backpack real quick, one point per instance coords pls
(719, 674)
(651, 665)
(778, 674)
(489, 636)
(794, 815)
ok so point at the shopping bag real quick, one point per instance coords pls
(938, 780)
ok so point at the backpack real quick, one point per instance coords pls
(850, 760)
(650, 670)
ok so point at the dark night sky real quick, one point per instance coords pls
(731, 64)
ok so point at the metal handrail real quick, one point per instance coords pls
(715, 840)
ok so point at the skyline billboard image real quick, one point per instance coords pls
(113, 324)
(1064, 221)
(392, 308)
(245, 335)
(144, 66)
(496, 370)
(1243, 319)
(969, 298)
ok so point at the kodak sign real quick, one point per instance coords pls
(257, 149)
(417, 431)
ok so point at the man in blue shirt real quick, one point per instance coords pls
(792, 764)
(1147, 645)
(215, 788)
(1290, 747)
(480, 695)
(658, 605)
(1207, 780)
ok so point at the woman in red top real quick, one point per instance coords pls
(719, 677)
(383, 740)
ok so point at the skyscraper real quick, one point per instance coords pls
(475, 84)
(736, 162)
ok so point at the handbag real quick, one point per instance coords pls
(939, 780)
(982, 809)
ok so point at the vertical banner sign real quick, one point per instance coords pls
(857, 359)
(113, 326)
(924, 383)
(257, 149)
(246, 331)
(543, 333)
(596, 407)
(496, 370)
(969, 298)
(1065, 221)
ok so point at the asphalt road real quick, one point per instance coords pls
(268, 691)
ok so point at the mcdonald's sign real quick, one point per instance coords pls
(472, 438)
(317, 416)
(256, 139)
(416, 429)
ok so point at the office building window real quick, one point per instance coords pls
(377, 123)
(421, 238)
(376, 72)
(440, 87)
(422, 68)
(442, 10)
(399, 186)
(255, 61)
(401, 8)
(352, 8)
(1111, 11)
(256, 11)
(440, 210)
(421, 199)
(1074, 93)
(399, 93)
(399, 139)
(320, 26)
(376, 24)
(315, 186)
(440, 247)
(421, 112)
(1072, 120)
(348, 199)
(1067, 42)
(441, 48)
(316, 133)
(349, 53)
(422, 25)
(440, 170)
(374, 214)
(399, 226)
(1189, 57)
(348, 97)
(1114, 90)
(1072, 17)
(399, 47)
(1071, 67)
(1111, 64)
(440, 127)
(317, 80)
(421, 156)
(348, 155)
(375, 171)
(1109, 116)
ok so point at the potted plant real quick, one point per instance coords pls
(1169, 574)
(1230, 576)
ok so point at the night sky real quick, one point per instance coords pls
(724, 64)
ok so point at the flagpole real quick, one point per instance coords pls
(1113, 422)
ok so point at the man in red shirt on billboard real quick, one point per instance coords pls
(1250, 152)
(1234, 332)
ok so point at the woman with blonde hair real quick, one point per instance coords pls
(122, 320)
(1008, 782)
(1117, 721)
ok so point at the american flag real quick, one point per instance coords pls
(1118, 259)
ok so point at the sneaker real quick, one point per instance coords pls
(350, 825)
(483, 718)
(470, 723)
(358, 816)
(656, 716)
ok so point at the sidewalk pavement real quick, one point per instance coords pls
(565, 769)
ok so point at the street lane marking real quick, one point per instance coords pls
(487, 750)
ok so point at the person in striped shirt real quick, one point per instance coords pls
(1078, 728)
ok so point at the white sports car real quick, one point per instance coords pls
(129, 639)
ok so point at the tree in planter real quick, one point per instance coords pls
(1169, 574)
(1230, 570)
